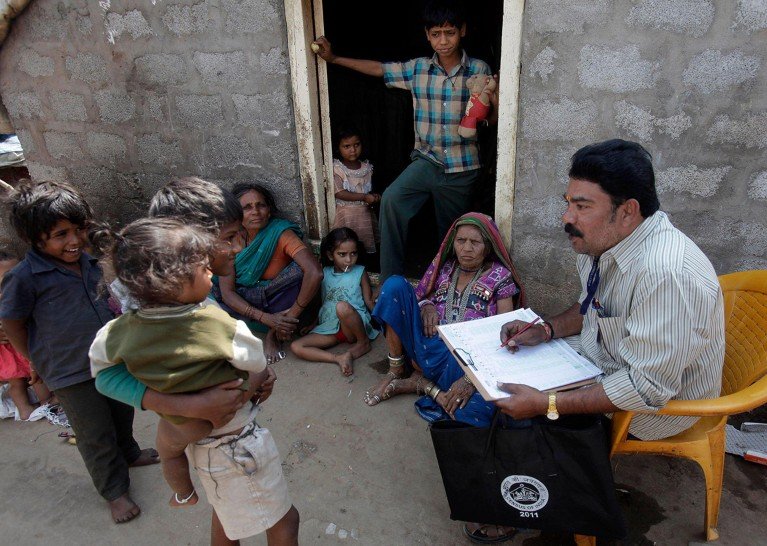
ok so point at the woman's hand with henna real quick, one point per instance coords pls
(457, 396)
(430, 319)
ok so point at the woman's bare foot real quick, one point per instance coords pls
(273, 348)
(393, 385)
(345, 361)
(146, 457)
(182, 501)
(124, 509)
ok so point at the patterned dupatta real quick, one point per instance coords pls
(488, 228)
(253, 260)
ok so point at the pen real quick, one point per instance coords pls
(529, 324)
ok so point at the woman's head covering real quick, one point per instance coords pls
(490, 233)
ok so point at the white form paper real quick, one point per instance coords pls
(547, 366)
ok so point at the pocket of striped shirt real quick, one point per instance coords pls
(610, 332)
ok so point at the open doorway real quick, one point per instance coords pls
(393, 31)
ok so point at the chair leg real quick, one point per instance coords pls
(585, 540)
(714, 474)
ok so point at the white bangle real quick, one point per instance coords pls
(423, 303)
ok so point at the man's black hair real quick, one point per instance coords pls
(198, 201)
(438, 12)
(623, 170)
(36, 207)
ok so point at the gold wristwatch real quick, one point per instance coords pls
(552, 412)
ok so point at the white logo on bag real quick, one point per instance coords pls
(524, 493)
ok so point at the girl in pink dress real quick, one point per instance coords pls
(353, 190)
(14, 368)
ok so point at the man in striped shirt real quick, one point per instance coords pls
(444, 164)
(650, 314)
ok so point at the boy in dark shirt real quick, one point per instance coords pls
(51, 310)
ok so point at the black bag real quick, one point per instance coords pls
(538, 474)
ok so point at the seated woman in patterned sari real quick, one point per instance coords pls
(276, 275)
(471, 277)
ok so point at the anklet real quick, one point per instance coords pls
(395, 361)
(184, 501)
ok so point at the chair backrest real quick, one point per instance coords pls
(745, 319)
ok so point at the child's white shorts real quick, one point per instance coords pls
(243, 480)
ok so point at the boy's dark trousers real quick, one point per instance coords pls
(104, 431)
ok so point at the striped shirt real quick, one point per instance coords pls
(439, 103)
(659, 334)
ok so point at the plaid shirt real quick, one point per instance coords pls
(439, 103)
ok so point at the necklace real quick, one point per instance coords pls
(463, 269)
(457, 315)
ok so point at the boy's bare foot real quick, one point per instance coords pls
(345, 362)
(124, 509)
(182, 501)
(146, 457)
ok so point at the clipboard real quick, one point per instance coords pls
(550, 367)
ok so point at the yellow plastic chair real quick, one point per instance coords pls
(744, 387)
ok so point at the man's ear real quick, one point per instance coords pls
(463, 30)
(631, 210)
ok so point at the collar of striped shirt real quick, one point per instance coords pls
(436, 66)
(629, 248)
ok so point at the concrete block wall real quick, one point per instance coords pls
(118, 96)
(685, 78)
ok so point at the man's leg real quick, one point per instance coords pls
(400, 202)
(452, 198)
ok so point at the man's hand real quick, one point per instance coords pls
(264, 391)
(525, 402)
(430, 319)
(324, 51)
(532, 336)
(33, 377)
(217, 404)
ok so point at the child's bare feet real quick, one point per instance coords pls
(184, 500)
(345, 361)
(146, 457)
(124, 509)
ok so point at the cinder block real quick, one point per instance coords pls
(260, 110)
(106, 148)
(691, 179)
(218, 68)
(692, 17)
(34, 64)
(543, 64)
(160, 69)
(132, 23)
(87, 67)
(83, 24)
(251, 16)
(616, 70)
(675, 125)
(27, 142)
(569, 16)
(40, 172)
(186, 20)
(153, 150)
(757, 189)
(25, 104)
(274, 62)
(115, 105)
(712, 71)
(44, 21)
(636, 121)
(68, 106)
(750, 132)
(751, 15)
(199, 110)
(229, 151)
(565, 120)
(63, 146)
(153, 108)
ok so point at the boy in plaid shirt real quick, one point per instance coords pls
(444, 164)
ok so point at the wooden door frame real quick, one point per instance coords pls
(309, 84)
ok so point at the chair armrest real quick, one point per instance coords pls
(744, 400)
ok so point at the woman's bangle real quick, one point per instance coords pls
(466, 378)
(423, 303)
(549, 329)
(299, 305)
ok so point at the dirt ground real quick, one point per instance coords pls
(357, 475)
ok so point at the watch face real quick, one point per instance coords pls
(553, 415)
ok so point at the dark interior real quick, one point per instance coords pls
(393, 31)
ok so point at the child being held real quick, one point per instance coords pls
(353, 186)
(177, 341)
(346, 304)
(15, 369)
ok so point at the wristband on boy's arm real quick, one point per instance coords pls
(117, 382)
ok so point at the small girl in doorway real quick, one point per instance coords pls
(353, 185)
(346, 304)
(15, 369)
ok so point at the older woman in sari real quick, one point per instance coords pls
(276, 275)
(471, 277)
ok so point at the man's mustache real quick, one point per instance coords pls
(571, 230)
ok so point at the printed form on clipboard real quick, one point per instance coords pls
(551, 366)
